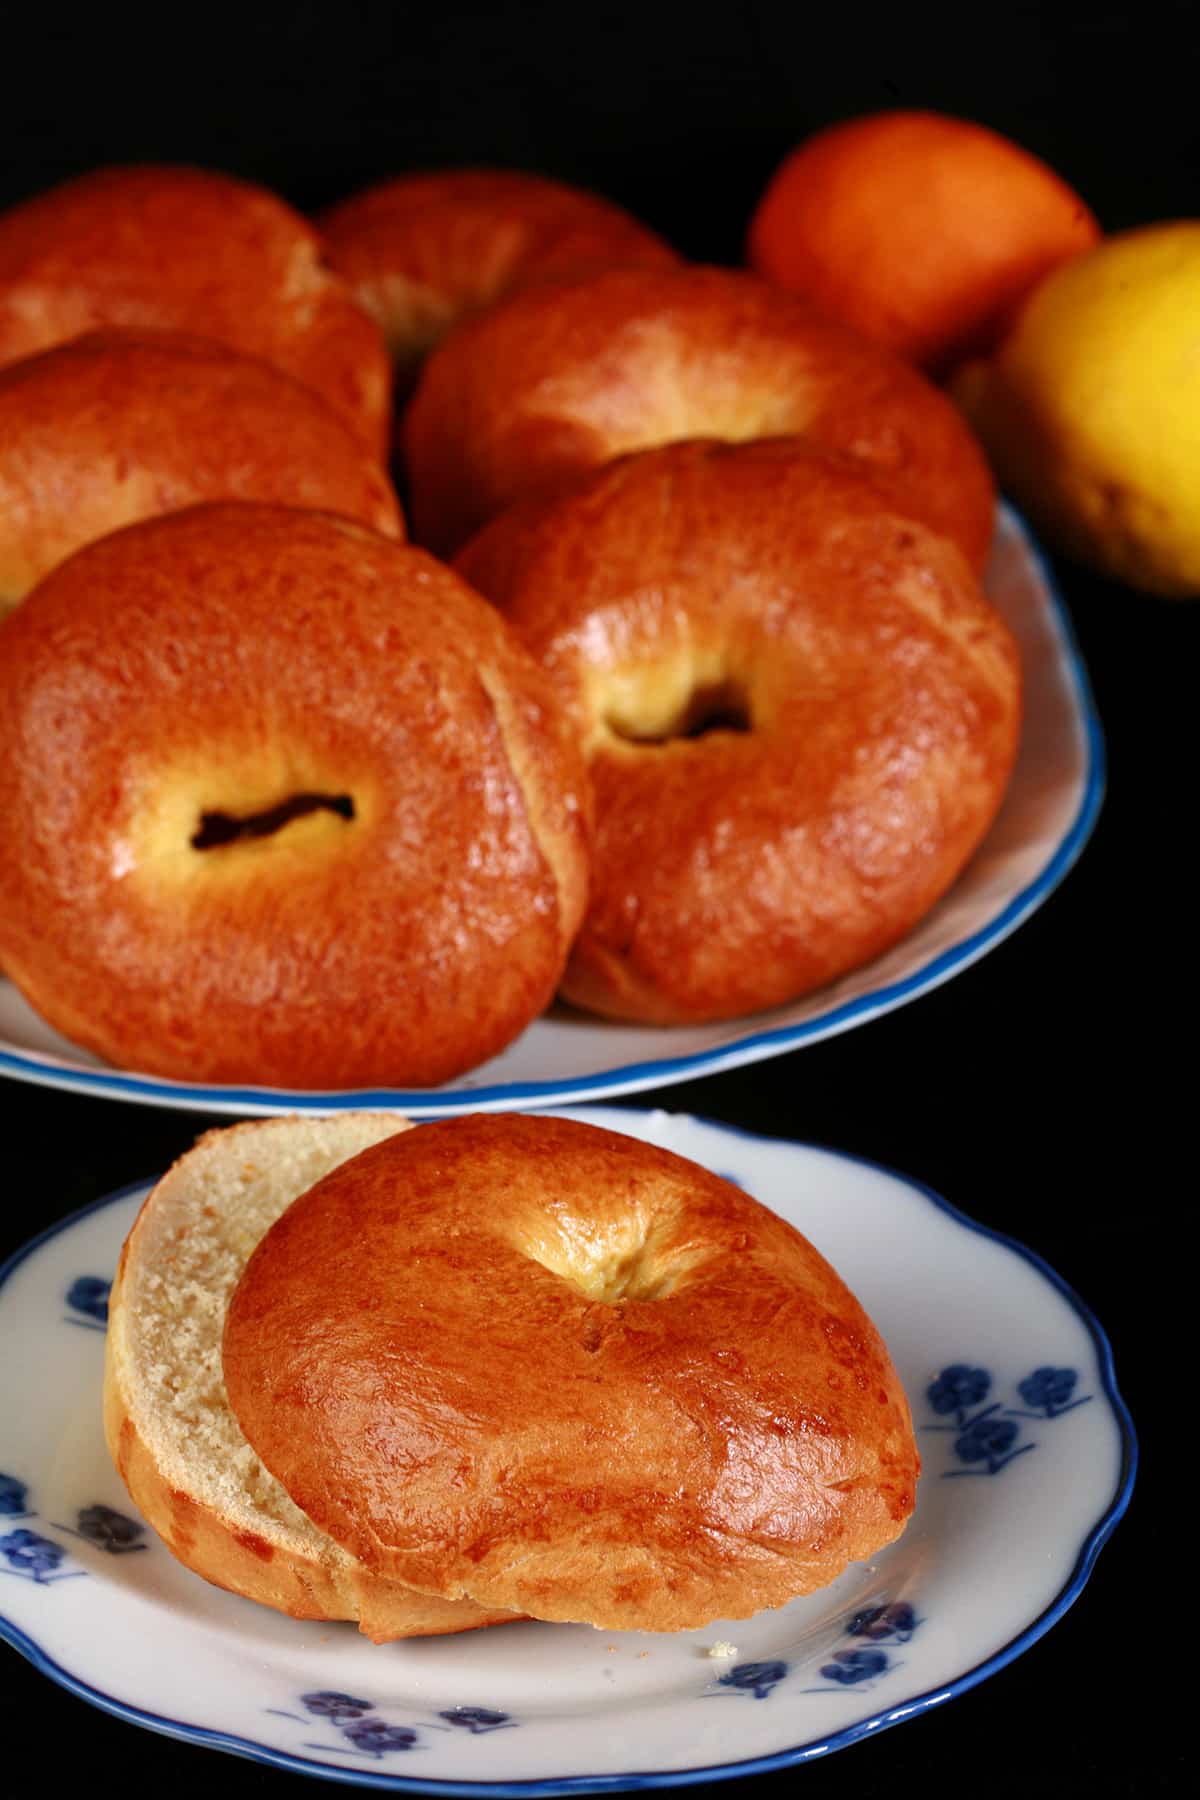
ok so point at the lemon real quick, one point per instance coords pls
(1090, 409)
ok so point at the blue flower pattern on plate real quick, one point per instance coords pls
(885, 1624)
(1048, 1393)
(34, 1557)
(757, 1678)
(376, 1738)
(476, 1719)
(107, 1529)
(369, 1735)
(891, 1622)
(957, 1389)
(987, 1439)
(849, 1667)
(338, 1707)
(88, 1295)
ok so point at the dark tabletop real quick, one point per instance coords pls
(1043, 1090)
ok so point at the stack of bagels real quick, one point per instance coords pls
(685, 700)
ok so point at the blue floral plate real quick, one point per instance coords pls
(566, 1057)
(1029, 1459)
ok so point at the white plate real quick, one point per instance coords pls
(563, 1057)
(1029, 1459)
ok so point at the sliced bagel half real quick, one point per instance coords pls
(168, 1422)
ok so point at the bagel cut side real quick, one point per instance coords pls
(423, 252)
(550, 1368)
(120, 425)
(194, 250)
(559, 378)
(799, 711)
(168, 1424)
(284, 803)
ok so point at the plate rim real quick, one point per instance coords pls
(234, 1100)
(1106, 1522)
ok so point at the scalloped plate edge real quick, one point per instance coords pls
(870, 1726)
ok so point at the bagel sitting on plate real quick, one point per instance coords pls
(561, 376)
(799, 712)
(285, 803)
(549, 1368)
(198, 251)
(121, 425)
(170, 1431)
(422, 252)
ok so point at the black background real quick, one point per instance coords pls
(1045, 1089)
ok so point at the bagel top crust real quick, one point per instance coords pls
(191, 250)
(284, 801)
(423, 251)
(120, 425)
(880, 703)
(557, 1370)
(562, 376)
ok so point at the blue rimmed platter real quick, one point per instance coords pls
(566, 1057)
(1029, 1461)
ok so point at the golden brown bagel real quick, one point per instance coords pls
(167, 1419)
(190, 250)
(873, 693)
(423, 251)
(563, 376)
(283, 801)
(121, 425)
(547, 1367)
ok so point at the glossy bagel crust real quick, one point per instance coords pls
(561, 377)
(222, 663)
(121, 425)
(740, 868)
(422, 252)
(551, 1368)
(190, 250)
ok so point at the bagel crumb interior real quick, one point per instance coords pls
(189, 1257)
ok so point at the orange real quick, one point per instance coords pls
(922, 231)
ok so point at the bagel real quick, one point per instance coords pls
(167, 1421)
(121, 425)
(283, 802)
(562, 376)
(422, 252)
(197, 251)
(798, 709)
(553, 1369)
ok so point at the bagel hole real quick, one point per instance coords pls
(640, 1268)
(712, 706)
(219, 828)
(634, 1277)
